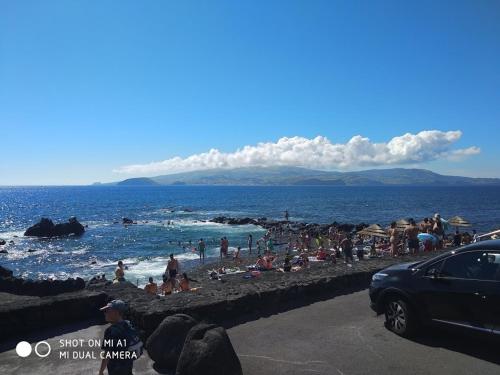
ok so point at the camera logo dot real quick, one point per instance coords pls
(23, 349)
(44, 352)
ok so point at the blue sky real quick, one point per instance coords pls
(89, 87)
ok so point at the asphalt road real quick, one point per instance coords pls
(340, 336)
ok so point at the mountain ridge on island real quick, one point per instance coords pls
(297, 176)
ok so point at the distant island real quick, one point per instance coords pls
(280, 176)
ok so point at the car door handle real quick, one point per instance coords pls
(480, 294)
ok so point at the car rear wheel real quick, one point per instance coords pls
(400, 317)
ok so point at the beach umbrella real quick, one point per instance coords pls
(401, 224)
(458, 221)
(426, 237)
(374, 230)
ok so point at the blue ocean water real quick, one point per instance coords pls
(145, 247)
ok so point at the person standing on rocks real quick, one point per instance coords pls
(172, 267)
(250, 243)
(394, 239)
(411, 233)
(438, 230)
(226, 246)
(119, 273)
(221, 248)
(286, 215)
(201, 249)
(260, 246)
(347, 246)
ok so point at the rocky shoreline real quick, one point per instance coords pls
(37, 288)
(227, 301)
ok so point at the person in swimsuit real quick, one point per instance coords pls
(236, 256)
(151, 287)
(119, 273)
(250, 243)
(184, 283)
(347, 246)
(166, 287)
(394, 239)
(261, 263)
(172, 267)
(411, 233)
(221, 247)
(438, 230)
(201, 249)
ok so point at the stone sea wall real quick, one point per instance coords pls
(226, 302)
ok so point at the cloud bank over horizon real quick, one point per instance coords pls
(318, 153)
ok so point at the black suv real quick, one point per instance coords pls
(460, 288)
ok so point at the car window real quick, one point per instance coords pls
(434, 269)
(478, 265)
(491, 266)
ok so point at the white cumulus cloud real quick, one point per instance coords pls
(318, 153)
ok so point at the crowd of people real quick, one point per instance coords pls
(173, 280)
(299, 248)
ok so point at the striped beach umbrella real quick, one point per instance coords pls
(401, 224)
(374, 230)
(458, 221)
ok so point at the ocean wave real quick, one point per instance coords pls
(12, 235)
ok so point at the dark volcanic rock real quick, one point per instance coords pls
(233, 220)
(208, 351)
(2, 242)
(312, 228)
(165, 344)
(39, 288)
(126, 220)
(4, 272)
(46, 228)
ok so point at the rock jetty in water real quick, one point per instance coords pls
(295, 227)
(46, 228)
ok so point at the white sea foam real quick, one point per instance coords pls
(12, 235)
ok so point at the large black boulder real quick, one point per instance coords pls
(165, 344)
(46, 228)
(208, 351)
(2, 242)
(5, 272)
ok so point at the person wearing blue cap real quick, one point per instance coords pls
(121, 344)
